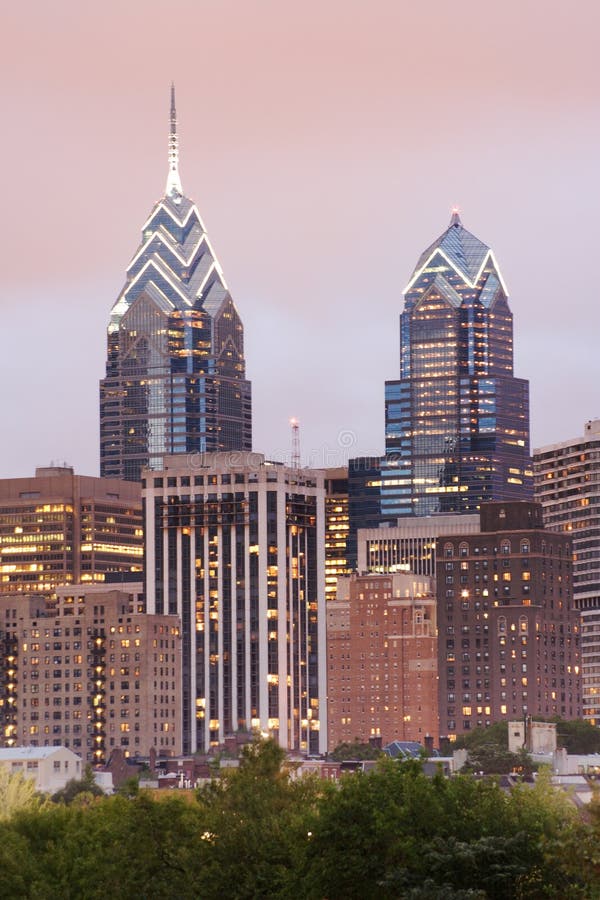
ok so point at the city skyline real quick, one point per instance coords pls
(318, 184)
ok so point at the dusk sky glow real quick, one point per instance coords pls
(325, 144)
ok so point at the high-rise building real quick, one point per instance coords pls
(508, 627)
(59, 528)
(337, 528)
(235, 546)
(175, 372)
(457, 420)
(566, 483)
(352, 502)
(382, 679)
(364, 500)
(93, 672)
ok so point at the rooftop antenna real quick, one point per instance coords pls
(174, 189)
(295, 443)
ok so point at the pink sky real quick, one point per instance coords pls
(325, 144)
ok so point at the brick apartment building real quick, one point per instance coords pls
(508, 628)
(382, 660)
(93, 673)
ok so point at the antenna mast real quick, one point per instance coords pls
(295, 443)
(173, 189)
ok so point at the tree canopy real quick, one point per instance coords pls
(355, 750)
(263, 831)
(81, 789)
(577, 736)
(16, 793)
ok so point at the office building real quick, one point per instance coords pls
(508, 628)
(382, 679)
(352, 502)
(175, 372)
(93, 673)
(409, 546)
(566, 483)
(457, 420)
(337, 528)
(364, 500)
(235, 546)
(59, 528)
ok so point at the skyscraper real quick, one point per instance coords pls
(457, 420)
(337, 528)
(175, 372)
(235, 546)
(567, 475)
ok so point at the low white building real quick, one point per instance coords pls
(51, 767)
(535, 737)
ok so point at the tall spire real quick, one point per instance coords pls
(174, 190)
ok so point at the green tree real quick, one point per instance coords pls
(577, 736)
(130, 787)
(116, 847)
(489, 754)
(490, 759)
(256, 824)
(260, 831)
(355, 750)
(83, 789)
(16, 792)
(396, 833)
(493, 734)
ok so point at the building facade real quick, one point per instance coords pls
(175, 372)
(566, 483)
(337, 529)
(382, 680)
(457, 420)
(235, 546)
(352, 502)
(409, 546)
(508, 627)
(364, 500)
(93, 674)
(59, 528)
(50, 767)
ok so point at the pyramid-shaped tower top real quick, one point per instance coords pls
(173, 190)
(175, 261)
(462, 249)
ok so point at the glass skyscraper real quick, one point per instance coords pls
(175, 373)
(457, 420)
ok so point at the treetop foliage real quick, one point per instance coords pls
(356, 749)
(262, 831)
(16, 793)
